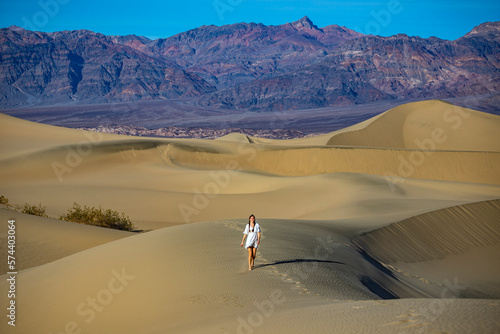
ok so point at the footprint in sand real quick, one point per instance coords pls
(231, 225)
(304, 290)
(408, 320)
(424, 281)
(297, 285)
(165, 155)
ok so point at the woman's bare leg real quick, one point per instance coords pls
(250, 254)
(254, 254)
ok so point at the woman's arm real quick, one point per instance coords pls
(258, 238)
(244, 235)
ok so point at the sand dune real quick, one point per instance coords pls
(178, 195)
(198, 180)
(21, 137)
(476, 167)
(460, 241)
(43, 240)
(236, 137)
(175, 280)
(427, 125)
(402, 207)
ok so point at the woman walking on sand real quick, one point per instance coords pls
(252, 231)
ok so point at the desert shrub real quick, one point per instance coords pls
(4, 200)
(34, 210)
(98, 217)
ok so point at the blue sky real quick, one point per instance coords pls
(162, 18)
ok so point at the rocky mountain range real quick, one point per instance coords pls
(246, 66)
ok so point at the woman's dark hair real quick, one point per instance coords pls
(249, 223)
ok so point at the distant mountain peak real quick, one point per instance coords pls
(304, 23)
(15, 28)
(487, 27)
(487, 30)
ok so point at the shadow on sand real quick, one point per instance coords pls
(295, 261)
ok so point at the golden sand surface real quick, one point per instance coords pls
(389, 226)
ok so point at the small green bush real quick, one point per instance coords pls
(34, 210)
(4, 200)
(98, 217)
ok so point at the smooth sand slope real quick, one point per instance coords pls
(389, 226)
(427, 125)
(43, 240)
(173, 280)
(461, 241)
(164, 182)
